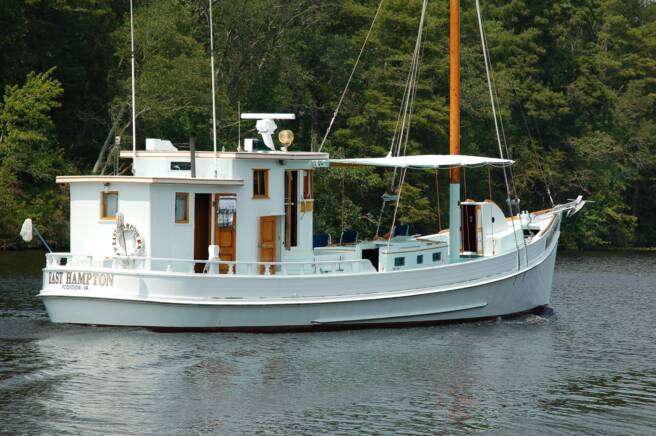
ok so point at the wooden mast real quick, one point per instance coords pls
(454, 126)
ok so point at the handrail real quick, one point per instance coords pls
(211, 266)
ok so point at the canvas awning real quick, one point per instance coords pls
(423, 161)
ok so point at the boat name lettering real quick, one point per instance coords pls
(80, 278)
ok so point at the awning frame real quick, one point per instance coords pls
(426, 161)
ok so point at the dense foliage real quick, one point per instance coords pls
(576, 82)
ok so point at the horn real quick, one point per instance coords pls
(286, 137)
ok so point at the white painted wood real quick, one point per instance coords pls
(306, 287)
(480, 287)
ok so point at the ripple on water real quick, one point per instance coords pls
(585, 366)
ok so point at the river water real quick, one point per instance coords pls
(589, 366)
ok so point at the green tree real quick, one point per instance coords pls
(30, 160)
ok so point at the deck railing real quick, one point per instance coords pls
(166, 265)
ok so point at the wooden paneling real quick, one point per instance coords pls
(267, 244)
(225, 237)
(307, 205)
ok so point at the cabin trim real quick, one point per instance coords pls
(149, 180)
(265, 195)
(269, 155)
(103, 211)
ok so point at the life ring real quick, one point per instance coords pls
(127, 241)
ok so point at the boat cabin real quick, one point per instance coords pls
(255, 205)
(252, 210)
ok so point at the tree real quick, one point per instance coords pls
(30, 161)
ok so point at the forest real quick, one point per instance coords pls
(576, 85)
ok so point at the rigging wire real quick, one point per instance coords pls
(537, 157)
(437, 200)
(489, 181)
(410, 92)
(501, 124)
(348, 82)
(413, 86)
(409, 97)
(134, 99)
(401, 134)
(488, 67)
(213, 88)
(396, 208)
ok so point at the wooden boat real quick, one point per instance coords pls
(224, 241)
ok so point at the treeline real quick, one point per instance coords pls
(576, 85)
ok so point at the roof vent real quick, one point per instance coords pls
(153, 144)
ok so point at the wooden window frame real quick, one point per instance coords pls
(175, 204)
(266, 183)
(308, 185)
(103, 212)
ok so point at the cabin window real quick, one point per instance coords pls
(437, 256)
(420, 259)
(180, 166)
(108, 205)
(181, 207)
(260, 183)
(399, 261)
(308, 185)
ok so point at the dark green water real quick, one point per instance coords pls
(588, 367)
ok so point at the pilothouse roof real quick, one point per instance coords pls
(423, 161)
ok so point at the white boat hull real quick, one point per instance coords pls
(235, 303)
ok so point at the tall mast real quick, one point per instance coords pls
(134, 100)
(454, 127)
(213, 88)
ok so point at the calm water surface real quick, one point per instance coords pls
(587, 367)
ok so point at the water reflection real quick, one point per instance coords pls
(588, 367)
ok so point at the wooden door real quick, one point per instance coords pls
(202, 228)
(291, 209)
(267, 243)
(225, 230)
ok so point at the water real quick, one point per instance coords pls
(589, 367)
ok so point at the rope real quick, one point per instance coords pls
(348, 82)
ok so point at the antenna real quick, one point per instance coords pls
(213, 89)
(134, 112)
(238, 126)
